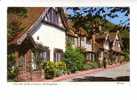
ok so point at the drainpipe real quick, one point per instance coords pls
(80, 41)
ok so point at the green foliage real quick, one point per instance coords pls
(11, 66)
(126, 56)
(11, 59)
(87, 17)
(69, 43)
(49, 70)
(105, 12)
(90, 65)
(108, 26)
(60, 68)
(124, 33)
(94, 64)
(20, 11)
(126, 45)
(12, 73)
(13, 28)
(74, 59)
(54, 69)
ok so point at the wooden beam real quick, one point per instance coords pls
(17, 57)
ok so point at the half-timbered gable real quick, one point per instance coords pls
(116, 45)
(53, 17)
(51, 33)
(106, 44)
(44, 40)
(110, 47)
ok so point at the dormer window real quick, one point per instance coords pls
(117, 43)
(106, 44)
(37, 37)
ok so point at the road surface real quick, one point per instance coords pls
(120, 73)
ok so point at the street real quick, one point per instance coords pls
(120, 73)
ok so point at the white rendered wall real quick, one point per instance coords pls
(106, 46)
(51, 37)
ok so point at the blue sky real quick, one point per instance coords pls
(120, 19)
(116, 20)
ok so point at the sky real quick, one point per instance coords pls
(116, 20)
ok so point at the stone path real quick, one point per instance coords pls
(119, 73)
(115, 72)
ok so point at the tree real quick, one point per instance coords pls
(14, 25)
(104, 12)
(74, 59)
(20, 11)
(94, 19)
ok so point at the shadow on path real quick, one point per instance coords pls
(101, 79)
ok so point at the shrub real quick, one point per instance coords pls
(18, 11)
(86, 67)
(60, 68)
(12, 73)
(126, 56)
(74, 59)
(49, 69)
(90, 65)
(54, 69)
(94, 64)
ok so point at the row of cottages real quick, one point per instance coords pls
(108, 46)
(80, 40)
(46, 37)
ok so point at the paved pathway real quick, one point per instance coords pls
(120, 73)
(112, 73)
(122, 70)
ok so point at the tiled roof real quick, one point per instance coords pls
(72, 30)
(102, 36)
(82, 32)
(26, 22)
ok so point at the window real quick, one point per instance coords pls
(58, 55)
(37, 37)
(79, 41)
(88, 56)
(21, 61)
(71, 39)
(88, 41)
(82, 38)
(117, 43)
(45, 55)
(107, 44)
(34, 65)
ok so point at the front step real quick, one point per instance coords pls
(37, 76)
(23, 76)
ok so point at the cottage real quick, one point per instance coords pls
(109, 46)
(51, 34)
(79, 40)
(43, 40)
